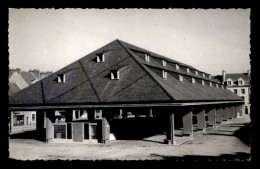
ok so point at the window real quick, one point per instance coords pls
(177, 66)
(203, 74)
(188, 70)
(240, 82)
(202, 82)
(235, 91)
(196, 72)
(216, 85)
(181, 78)
(147, 57)
(80, 115)
(59, 131)
(164, 62)
(229, 82)
(193, 80)
(100, 58)
(61, 78)
(243, 91)
(164, 73)
(209, 77)
(98, 114)
(222, 86)
(33, 117)
(210, 83)
(115, 74)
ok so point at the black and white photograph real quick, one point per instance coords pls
(129, 84)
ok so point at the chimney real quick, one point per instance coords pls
(248, 72)
(223, 76)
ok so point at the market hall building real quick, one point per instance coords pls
(90, 99)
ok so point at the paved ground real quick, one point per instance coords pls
(230, 141)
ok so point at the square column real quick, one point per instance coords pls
(50, 119)
(219, 114)
(201, 118)
(235, 112)
(40, 119)
(225, 113)
(187, 121)
(105, 131)
(239, 109)
(230, 112)
(170, 131)
(11, 121)
(212, 116)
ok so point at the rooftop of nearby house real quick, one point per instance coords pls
(88, 81)
(234, 77)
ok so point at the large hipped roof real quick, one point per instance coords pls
(88, 82)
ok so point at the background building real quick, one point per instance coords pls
(238, 83)
(19, 80)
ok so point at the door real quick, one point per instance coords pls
(77, 135)
(93, 131)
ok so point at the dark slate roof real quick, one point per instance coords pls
(28, 77)
(89, 82)
(235, 76)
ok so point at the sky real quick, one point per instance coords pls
(210, 40)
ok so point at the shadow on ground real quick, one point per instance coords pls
(243, 133)
(223, 157)
(33, 134)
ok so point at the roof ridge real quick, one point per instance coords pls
(142, 66)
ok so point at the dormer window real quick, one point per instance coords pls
(114, 74)
(164, 73)
(164, 62)
(177, 66)
(240, 82)
(181, 78)
(229, 82)
(193, 80)
(188, 70)
(203, 74)
(210, 83)
(196, 72)
(209, 77)
(147, 57)
(202, 82)
(100, 57)
(61, 78)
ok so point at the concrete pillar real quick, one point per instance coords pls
(219, 114)
(235, 111)
(225, 113)
(11, 122)
(211, 116)
(240, 110)
(124, 113)
(50, 119)
(230, 112)
(187, 121)
(40, 114)
(171, 134)
(201, 118)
